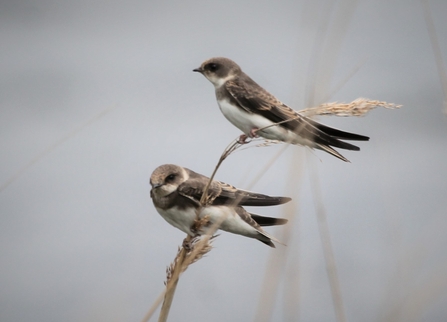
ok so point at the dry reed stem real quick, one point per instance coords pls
(397, 281)
(198, 248)
(408, 298)
(358, 107)
(316, 62)
(277, 261)
(331, 267)
(182, 261)
(184, 258)
(324, 59)
(291, 292)
(154, 306)
(404, 300)
(193, 257)
(171, 285)
(228, 150)
(436, 50)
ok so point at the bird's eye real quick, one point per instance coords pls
(212, 67)
(170, 177)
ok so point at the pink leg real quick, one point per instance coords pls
(242, 139)
(253, 132)
(187, 245)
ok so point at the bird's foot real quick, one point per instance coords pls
(243, 139)
(253, 134)
(187, 244)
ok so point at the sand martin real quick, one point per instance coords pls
(176, 194)
(250, 108)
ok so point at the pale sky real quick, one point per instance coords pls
(80, 239)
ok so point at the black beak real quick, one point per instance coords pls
(200, 70)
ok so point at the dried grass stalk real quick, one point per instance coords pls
(436, 50)
(198, 247)
(193, 248)
(192, 256)
(358, 107)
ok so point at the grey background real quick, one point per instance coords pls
(80, 239)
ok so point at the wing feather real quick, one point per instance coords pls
(254, 99)
(220, 193)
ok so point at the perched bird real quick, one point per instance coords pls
(176, 193)
(251, 109)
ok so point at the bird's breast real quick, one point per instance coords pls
(181, 218)
(247, 121)
(242, 119)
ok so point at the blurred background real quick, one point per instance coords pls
(94, 95)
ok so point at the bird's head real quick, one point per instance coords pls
(218, 70)
(166, 179)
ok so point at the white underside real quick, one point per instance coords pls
(248, 121)
(229, 220)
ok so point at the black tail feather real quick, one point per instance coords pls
(339, 134)
(268, 221)
(256, 199)
(267, 242)
(321, 137)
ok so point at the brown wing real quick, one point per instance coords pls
(220, 193)
(254, 99)
(232, 195)
(194, 188)
(268, 221)
(262, 235)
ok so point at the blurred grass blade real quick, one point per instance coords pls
(62, 140)
(329, 257)
(436, 50)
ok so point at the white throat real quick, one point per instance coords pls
(219, 81)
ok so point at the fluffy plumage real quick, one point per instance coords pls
(176, 194)
(251, 108)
